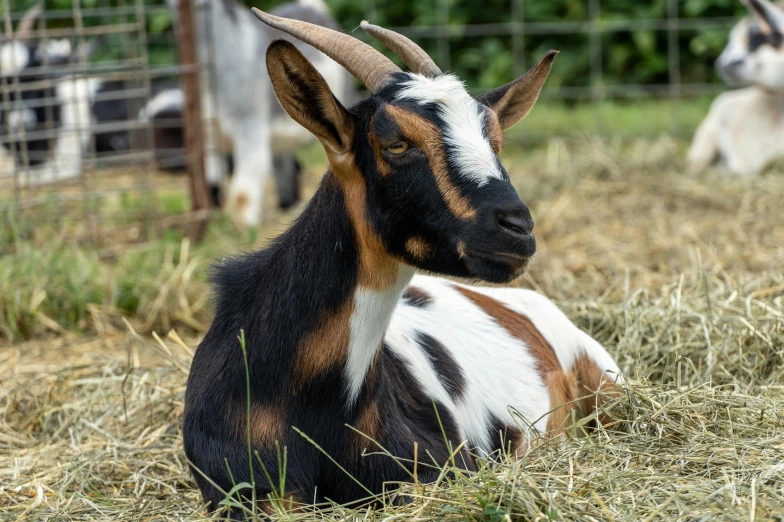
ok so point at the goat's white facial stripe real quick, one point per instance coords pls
(464, 121)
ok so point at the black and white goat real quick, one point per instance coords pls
(744, 130)
(243, 118)
(49, 117)
(339, 331)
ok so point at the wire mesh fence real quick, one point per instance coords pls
(81, 154)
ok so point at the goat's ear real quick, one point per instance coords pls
(306, 97)
(512, 102)
(769, 12)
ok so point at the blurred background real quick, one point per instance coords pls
(600, 159)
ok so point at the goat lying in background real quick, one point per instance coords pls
(243, 118)
(744, 130)
(339, 331)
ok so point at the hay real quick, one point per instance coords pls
(680, 278)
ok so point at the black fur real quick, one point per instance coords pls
(417, 298)
(758, 38)
(444, 364)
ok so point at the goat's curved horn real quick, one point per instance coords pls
(369, 66)
(412, 55)
(25, 27)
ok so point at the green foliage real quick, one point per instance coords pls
(627, 57)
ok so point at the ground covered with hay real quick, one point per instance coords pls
(681, 278)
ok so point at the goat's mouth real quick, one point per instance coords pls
(500, 266)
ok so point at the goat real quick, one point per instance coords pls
(51, 119)
(744, 129)
(339, 331)
(241, 114)
(164, 114)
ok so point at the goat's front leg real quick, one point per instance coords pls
(214, 159)
(252, 167)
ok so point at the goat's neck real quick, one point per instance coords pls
(381, 281)
(347, 282)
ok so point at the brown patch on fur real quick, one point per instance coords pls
(494, 132)
(563, 390)
(381, 165)
(368, 422)
(418, 248)
(290, 503)
(461, 249)
(561, 385)
(325, 347)
(518, 326)
(267, 424)
(517, 443)
(377, 269)
(595, 387)
(513, 441)
(428, 138)
(240, 203)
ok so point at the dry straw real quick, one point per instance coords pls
(681, 278)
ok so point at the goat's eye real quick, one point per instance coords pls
(398, 148)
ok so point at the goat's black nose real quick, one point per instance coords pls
(729, 67)
(517, 221)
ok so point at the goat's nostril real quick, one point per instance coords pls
(517, 224)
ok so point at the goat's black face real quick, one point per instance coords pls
(418, 162)
(437, 194)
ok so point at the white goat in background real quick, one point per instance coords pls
(744, 130)
(242, 116)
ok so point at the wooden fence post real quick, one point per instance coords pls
(192, 118)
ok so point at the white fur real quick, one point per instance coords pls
(464, 122)
(166, 100)
(318, 5)
(501, 376)
(744, 131)
(372, 312)
(56, 49)
(14, 57)
(21, 118)
(75, 97)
